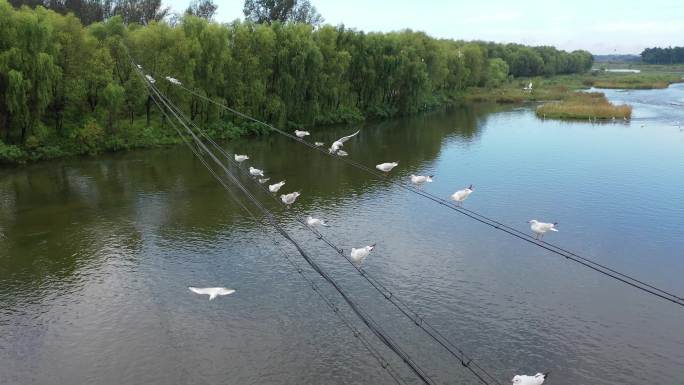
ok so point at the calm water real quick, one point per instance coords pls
(96, 256)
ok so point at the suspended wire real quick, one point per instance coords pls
(600, 268)
(355, 331)
(364, 317)
(402, 306)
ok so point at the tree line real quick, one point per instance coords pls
(669, 55)
(70, 88)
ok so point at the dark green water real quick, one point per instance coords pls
(96, 256)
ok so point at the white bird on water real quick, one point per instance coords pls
(150, 79)
(315, 222)
(264, 180)
(541, 228)
(212, 292)
(241, 158)
(173, 80)
(290, 198)
(421, 179)
(255, 171)
(319, 144)
(337, 145)
(275, 187)
(537, 379)
(301, 134)
(358, 255)
(387, 167)
(461, 195)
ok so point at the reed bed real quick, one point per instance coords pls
(584, 105)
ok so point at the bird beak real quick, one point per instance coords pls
(546, 374)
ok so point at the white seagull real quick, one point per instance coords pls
(528, 88)
(241, 158)
(139, 66)
(264, 180)
(387, 167)
(173, 80)
(275, 187)
(301, 134)
(358, 255)
(150, 79)
(461, 195)
(421, 179)
(537, 379)
(319, 144)
(315, 222)
(342, 153)
(212, 292)
(337, 145)
(290, 198)
(541, 228)
(255, 171)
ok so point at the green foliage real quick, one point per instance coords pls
(11, 154)
(498, 72)
(89, 138)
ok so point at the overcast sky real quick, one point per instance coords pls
(600, 26)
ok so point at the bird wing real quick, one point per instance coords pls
(197, 290)
(346, 138)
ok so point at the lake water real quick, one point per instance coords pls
(96, 255)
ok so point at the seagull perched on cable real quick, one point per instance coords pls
(319, 144)
(290, 198)
(275, 187)
(301, 134)
(541, 228)
(342, 153)
(315, 222)
(150, 79)
(537, 379)
(461, 195)
(337, 145)
(387, 167)
(264, 180)
(358, 255)
(139, 66)
(241, 158)
(212, 292)
(255, 171)
(421, 179)
(173, 80)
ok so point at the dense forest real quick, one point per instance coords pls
(670, 55)
(67, 88)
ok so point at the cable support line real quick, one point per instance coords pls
(497, 225)
(402, 306)
(384, 363)
(365, 318)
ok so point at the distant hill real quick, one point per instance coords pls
(616, 58)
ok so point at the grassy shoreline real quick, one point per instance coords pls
(582, 106)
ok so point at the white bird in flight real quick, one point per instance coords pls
(290, 198)
(301, 134)
(541, 228)
(255, 171)
(173, 80)
(337, 145)
(315, 222)
(358, 255)
(319, 144)
(461, 195)
(241, 158)
(275, 187)
(264, 180)
(421, 179)
(212, 292)
(537, 379)
(150, 79)
(387, 167)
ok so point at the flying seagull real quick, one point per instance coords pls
(275, 187)
(421, 179)
(387, 167)
(315, 222)
(537, 379)
(301, 134)
(337, 145)
(241, 158)
(358, 255)
(541, 228)
(212, 292)
(255, 171)
(290, 198)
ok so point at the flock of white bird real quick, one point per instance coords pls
(360, 254)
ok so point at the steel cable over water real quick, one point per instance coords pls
(569, 255)
(402, 306)
(365, 318)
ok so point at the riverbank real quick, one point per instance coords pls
(584, 105)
